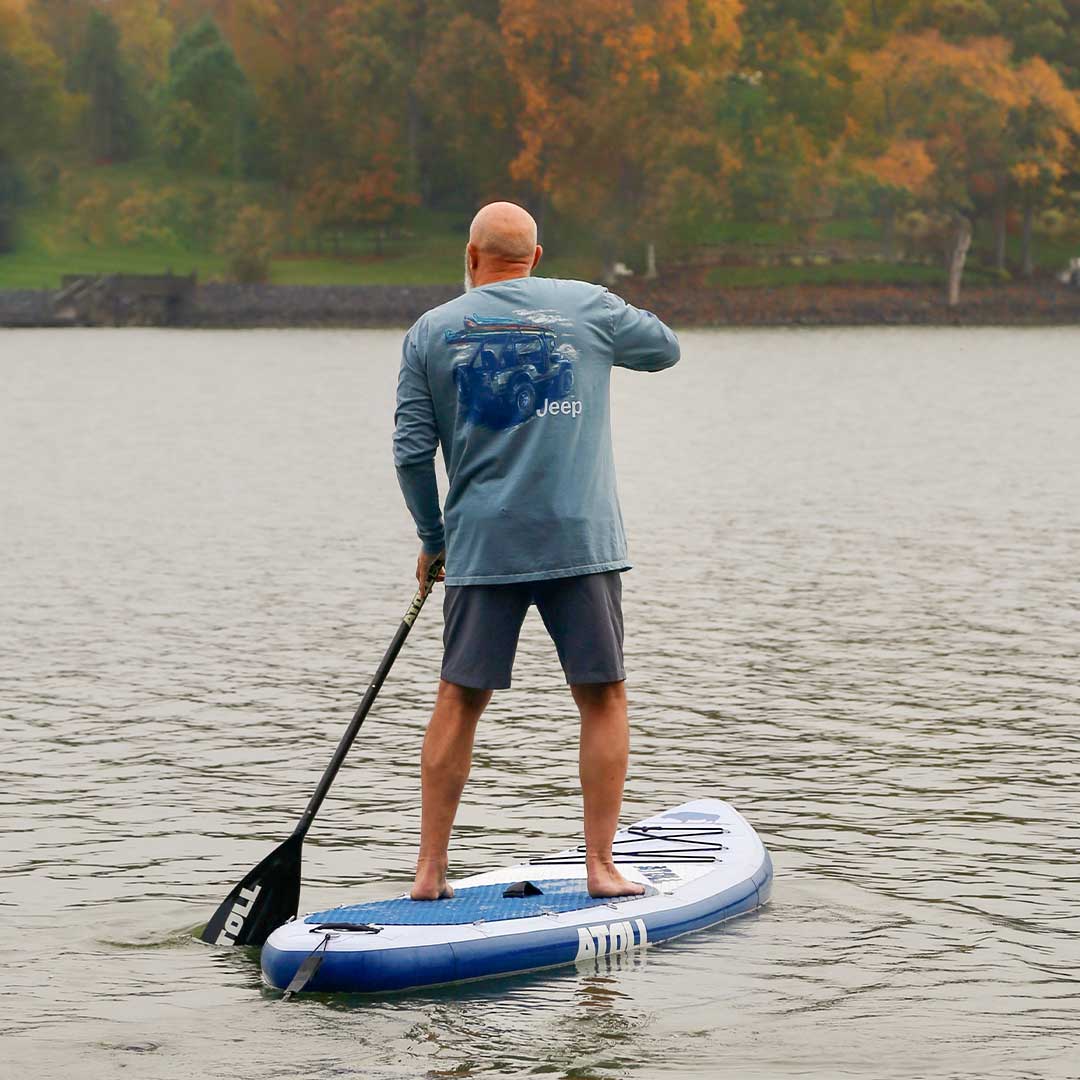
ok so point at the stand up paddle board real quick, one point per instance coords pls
(701, 863)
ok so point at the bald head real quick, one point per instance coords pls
(505, 230)
(502, 244)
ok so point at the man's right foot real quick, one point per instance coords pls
(606, 881)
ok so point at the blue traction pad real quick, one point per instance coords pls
(477, 903)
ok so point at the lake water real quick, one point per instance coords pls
(855, 614)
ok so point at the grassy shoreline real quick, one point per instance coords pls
(436, 259)
(140, 218)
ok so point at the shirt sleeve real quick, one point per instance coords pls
(641, 341)
(416, 438)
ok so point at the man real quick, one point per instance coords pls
(511, 380)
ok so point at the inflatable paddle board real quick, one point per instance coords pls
(701, 863)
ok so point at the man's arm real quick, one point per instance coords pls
(641, 341)
(416, 438)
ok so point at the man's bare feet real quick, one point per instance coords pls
(605, 880)
(430, 882)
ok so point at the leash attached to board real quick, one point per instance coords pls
(269, 894)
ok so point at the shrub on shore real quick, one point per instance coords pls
(248, 245)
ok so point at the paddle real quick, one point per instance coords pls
(270, 893)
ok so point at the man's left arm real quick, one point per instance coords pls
(416, 438)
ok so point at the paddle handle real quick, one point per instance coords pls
(372, 692)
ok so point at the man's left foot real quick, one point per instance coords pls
(430, 883)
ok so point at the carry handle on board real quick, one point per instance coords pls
(269, 894)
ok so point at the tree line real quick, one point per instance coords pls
(635, 123)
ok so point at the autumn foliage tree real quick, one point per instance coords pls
(628, 125)
(614, 120)
(466, 105)
(146, 36)
(941, 120)
(1044, 137)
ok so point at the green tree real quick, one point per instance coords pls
(1033, 27)
(33, 112)
(209, 115)
(111, 130)
(785, 107)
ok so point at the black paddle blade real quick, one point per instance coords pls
(267, 897)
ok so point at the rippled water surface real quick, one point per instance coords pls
(855, 614)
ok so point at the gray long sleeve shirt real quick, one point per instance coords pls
(512, 381)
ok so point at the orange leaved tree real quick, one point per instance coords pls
(333, 80)
(614, 126)
(939, 120)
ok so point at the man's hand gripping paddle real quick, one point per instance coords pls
(270, 893)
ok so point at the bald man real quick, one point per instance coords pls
(511, 381)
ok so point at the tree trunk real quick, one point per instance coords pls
(11, 191)
(237, 145)
(416, 170)
(1027, 258)
(419, 173)
(287, 214)
(961, 241)
(888, 231)
(1001, 207)
(650, 262)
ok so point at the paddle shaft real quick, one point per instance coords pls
(364, 707)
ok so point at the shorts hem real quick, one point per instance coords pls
(543, 575)
(595, 678)
(474, 682)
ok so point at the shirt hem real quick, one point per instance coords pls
(535, 575)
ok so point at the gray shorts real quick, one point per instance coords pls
(583, 615)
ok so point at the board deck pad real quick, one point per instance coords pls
(701, 863)
(478, 903)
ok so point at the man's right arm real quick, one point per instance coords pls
(641, 341)
(416, 438)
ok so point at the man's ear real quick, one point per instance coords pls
(472, 255)
(537, 256)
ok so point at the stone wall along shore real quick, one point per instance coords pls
(684, 304)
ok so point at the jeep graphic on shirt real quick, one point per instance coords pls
(508, 371)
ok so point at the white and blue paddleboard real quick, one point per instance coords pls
(701, 863)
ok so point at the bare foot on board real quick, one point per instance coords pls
(605, 880)
(430, 883)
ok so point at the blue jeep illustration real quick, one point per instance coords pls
(511, 369)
